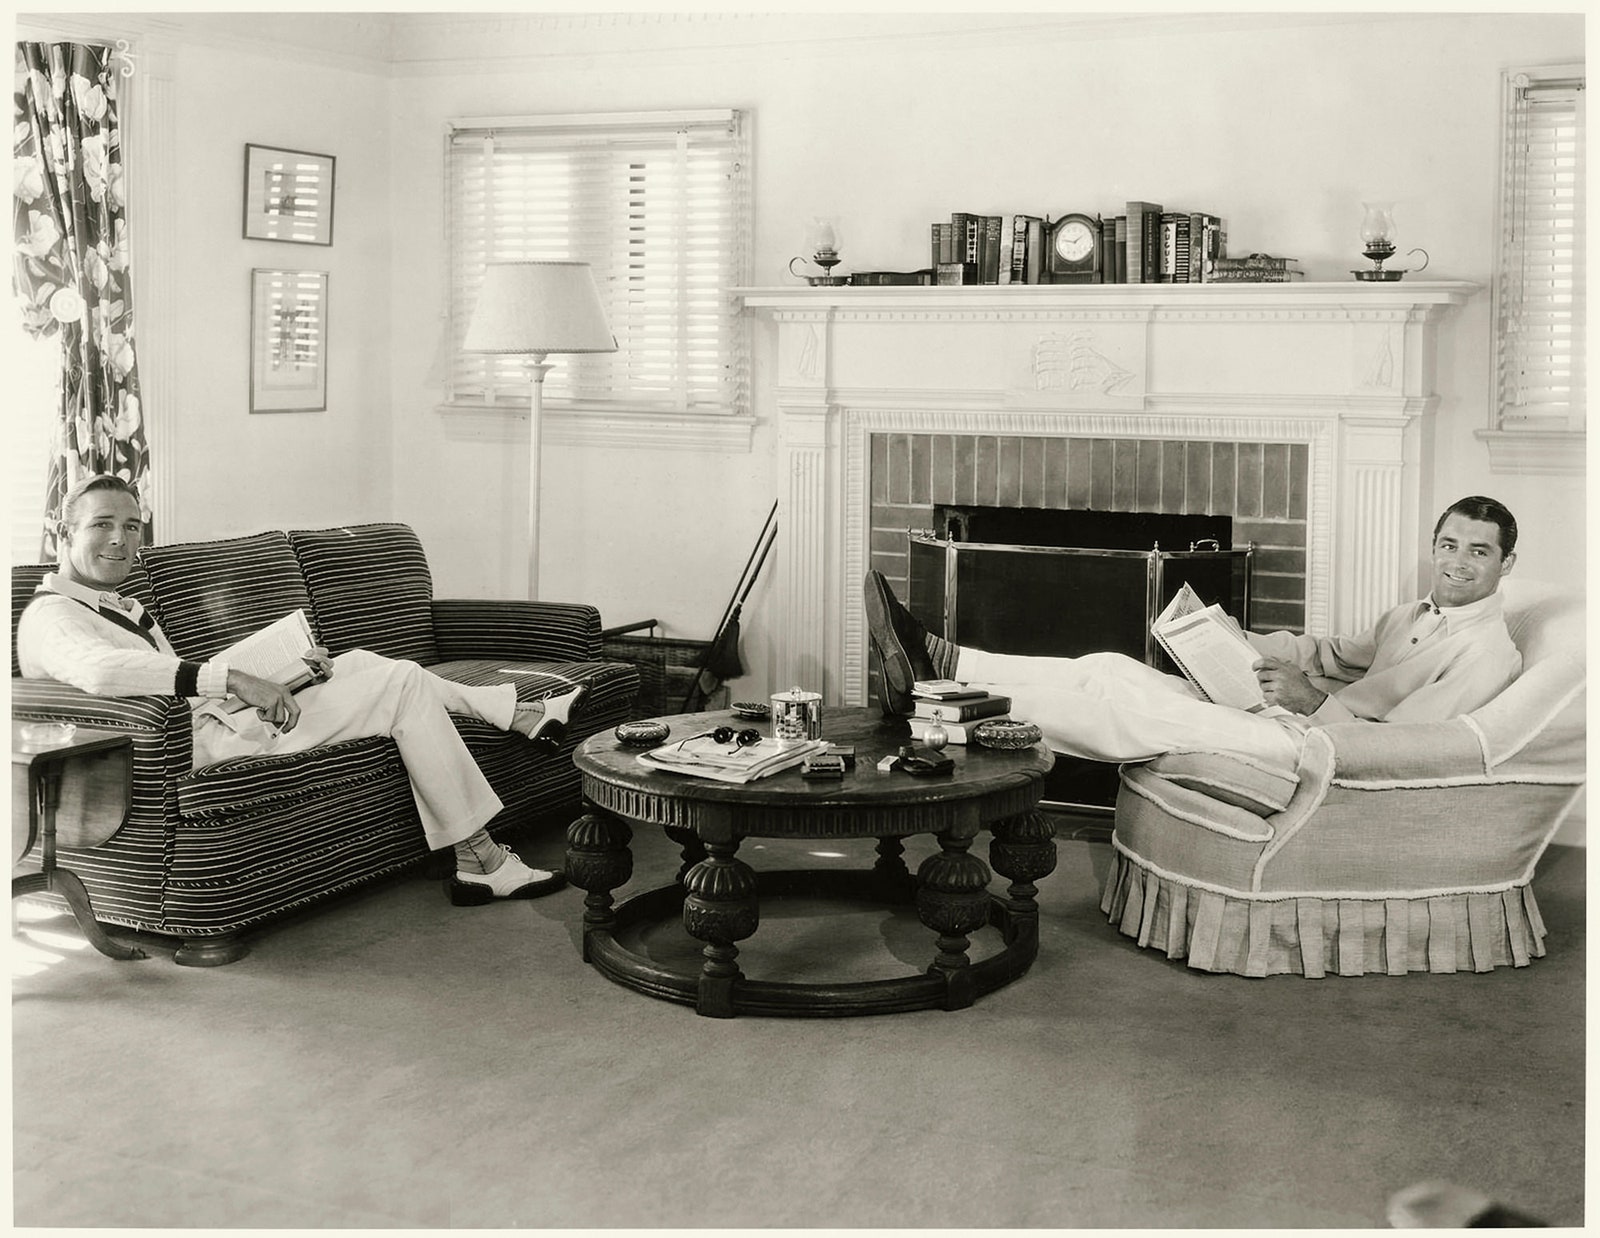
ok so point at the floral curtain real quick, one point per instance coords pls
(71, 268)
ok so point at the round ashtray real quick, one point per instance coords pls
(46, 734)
(642, 734)
(1006, 733)
(752, 711)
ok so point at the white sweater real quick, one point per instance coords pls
(61, 638)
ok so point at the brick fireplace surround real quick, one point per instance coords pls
(1301, 410)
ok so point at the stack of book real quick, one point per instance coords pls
(703, 757)
(1252, 269)
(968, 250)
(1146, 244)
(955, 707)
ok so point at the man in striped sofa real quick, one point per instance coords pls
(80, 631)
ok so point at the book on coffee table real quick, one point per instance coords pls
(964, 709)
(945, 690)
(954, 732)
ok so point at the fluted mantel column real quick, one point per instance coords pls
(808, 605)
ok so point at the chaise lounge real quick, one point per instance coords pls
(1394, 847)
(206, 854)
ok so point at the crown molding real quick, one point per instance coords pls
(444, 44)
(354, 42)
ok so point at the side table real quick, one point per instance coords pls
(80, 783)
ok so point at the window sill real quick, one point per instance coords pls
(1535, 451)
(611, 427)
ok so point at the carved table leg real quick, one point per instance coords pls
(720, 908)
(691, 849)
(953, 900)
(889, 871)
(1023, 848)
(598, 860)
(65, 882)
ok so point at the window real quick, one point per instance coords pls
(657, 203)
(1539, 290)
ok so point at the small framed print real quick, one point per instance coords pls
(288, 195)
(288, 341)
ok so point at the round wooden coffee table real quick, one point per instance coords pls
(718, 895)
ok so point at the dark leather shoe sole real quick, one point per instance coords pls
(895, 660)
(471, 894)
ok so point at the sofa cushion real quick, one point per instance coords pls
(1246, 784)
(210, 594)
(371, 588)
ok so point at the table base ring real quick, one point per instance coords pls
(934, 989)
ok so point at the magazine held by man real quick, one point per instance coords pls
(1211, 650)
(277, 652)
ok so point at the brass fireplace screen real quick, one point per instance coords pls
(1010, 597)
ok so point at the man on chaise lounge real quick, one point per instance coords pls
(1421, 662)
(78, 630)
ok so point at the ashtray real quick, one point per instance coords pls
(753, 711)
(1006, 733)
(641, 734)
(46, 734)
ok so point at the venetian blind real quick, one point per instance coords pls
(1539, 313)
(657, 204)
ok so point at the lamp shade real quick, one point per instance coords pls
(538, 307)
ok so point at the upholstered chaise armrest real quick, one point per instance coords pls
(526, 631)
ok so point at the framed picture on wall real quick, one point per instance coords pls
(288, 195)
(288, 341)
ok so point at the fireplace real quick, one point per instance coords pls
(1300, 412)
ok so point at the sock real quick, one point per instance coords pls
(478, 853)
(944, 655)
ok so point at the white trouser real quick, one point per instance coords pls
(1110, 707)
(373, 695)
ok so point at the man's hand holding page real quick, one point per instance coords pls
(1286, 685)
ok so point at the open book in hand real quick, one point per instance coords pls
(277, 652)
(1211, 650)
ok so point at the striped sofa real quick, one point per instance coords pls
(1393, 848)
(207, 853)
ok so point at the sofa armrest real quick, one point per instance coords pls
(525, 631)
(46, 700)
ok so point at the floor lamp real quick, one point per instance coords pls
(534, 309)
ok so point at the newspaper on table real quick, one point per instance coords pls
(1211, 650)
(277, 652)
(703, 757)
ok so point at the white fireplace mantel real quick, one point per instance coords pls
(1345, 368)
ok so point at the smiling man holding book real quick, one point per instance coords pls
(78, 629)
(1422, 661)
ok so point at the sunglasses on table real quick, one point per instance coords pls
(727, 735)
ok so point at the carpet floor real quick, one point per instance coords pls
(387, 1060)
